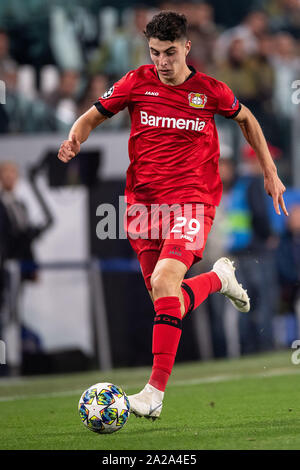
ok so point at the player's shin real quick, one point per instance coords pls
(166, 337)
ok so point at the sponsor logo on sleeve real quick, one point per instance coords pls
(234, 103)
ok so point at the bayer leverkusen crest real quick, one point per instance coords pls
(197, 100)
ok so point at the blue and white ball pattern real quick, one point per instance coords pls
(104, 408)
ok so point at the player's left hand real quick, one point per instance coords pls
(275, 188)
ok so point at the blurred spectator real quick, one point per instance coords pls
(16, 231)
(238, 73)
(264, 76)
(7, 65)
(28, 26)
(66, 89)
(128, 50)
(73, 33)
(286, 64)
(6, 61)
(20, 113)
(96, 87)
(63, 99)
(253, 79)
(202, 32)
(288, 262)
(250, 30)
(23, 114)
(287, 17)
(263, 71)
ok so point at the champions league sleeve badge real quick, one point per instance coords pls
(108, 93)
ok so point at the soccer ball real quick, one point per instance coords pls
(104, 408)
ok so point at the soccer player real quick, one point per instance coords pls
(174, 152)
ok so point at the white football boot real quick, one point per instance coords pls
(147, 403)
(238, 296)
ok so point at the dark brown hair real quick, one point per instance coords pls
(167, 26)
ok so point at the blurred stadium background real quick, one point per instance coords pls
(72, 302)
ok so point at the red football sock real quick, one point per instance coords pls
(196, 289)
(166, 336)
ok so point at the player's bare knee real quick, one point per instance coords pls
(164, 284)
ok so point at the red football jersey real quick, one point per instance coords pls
(173, 145)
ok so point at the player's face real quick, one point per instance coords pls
(169, 58)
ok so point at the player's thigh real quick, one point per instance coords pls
(148, 260)
(137, 231)
(147, 252)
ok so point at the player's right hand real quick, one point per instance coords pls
(69, 149)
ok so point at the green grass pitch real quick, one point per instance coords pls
(247, 403)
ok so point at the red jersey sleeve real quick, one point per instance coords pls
(117, 97)
(229, 105)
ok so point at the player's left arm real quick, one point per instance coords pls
(255, 137)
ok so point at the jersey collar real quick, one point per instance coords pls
(193, 72)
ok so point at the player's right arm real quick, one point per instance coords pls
(79, 133)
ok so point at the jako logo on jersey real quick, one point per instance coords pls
(152, 93)
(159, 121)
(190, 239)
(197, 100)
(108, 93)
